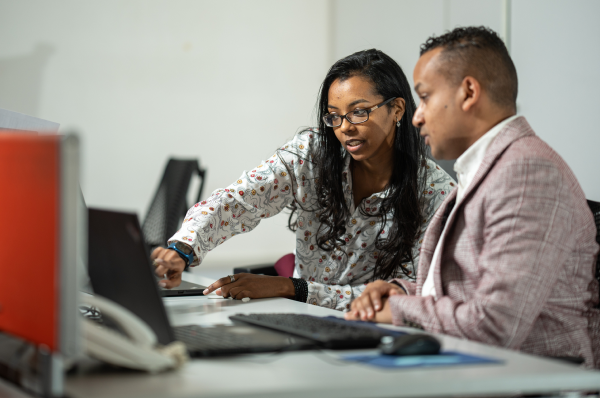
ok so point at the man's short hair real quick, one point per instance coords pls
(477, 52)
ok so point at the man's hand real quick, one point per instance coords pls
(370, 302)
(168, 265)
(253, 286)
(382, 316)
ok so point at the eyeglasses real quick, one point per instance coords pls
(357, 116)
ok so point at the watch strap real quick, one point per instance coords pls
(188, 258)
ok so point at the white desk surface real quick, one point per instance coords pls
(321, 374)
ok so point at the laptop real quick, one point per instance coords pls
(184, 289)
(105, 226)
(120, 269)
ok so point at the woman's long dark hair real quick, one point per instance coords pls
(406, 185)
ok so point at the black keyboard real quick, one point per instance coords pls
(329, 332)
(228, 340)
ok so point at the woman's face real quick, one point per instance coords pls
(373, 138)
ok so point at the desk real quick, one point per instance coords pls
(320, 374)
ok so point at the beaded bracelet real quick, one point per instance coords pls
(300, 289)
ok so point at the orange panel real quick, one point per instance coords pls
(29, 236)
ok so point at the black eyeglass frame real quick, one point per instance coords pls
(369, 110)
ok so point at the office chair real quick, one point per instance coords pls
(595, 207)
(169, 204)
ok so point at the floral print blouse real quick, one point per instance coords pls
(335, 277)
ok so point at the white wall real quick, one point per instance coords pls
(556, 49)
(227, 82)
(399, 27)
(554, 44)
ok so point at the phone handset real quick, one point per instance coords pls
(137, 350)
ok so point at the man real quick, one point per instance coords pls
(508, 259)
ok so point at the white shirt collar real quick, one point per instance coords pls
(468, 163)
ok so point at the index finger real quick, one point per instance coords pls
(170, 261)
(156, 252)
(351, 316)
(375, 299)
(218, 283)
(171, 282)
(366, 312)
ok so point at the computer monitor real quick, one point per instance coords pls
(42, 239)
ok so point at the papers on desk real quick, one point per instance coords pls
(447, 358)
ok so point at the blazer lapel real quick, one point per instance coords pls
(513, 131)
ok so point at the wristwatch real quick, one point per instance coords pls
(185, 252)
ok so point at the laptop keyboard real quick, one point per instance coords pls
(227, 340)
(330, 332)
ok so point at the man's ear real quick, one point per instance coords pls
(469, 93)
(399, 108)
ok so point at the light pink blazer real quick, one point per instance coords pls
(516, 264)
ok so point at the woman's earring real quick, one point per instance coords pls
(397, 123)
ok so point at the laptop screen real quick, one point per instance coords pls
(120, 270)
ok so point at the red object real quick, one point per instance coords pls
(29, 218)
(285, 265)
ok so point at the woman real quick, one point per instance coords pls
(360, 188)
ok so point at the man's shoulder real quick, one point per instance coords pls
(517, 142)
(529, 164)
(531, 151)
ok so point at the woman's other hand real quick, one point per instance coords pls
(372, 300)
(252, 286)
(169, 266)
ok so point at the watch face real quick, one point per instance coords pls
(183, 247)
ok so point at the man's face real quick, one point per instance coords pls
(439, 114)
